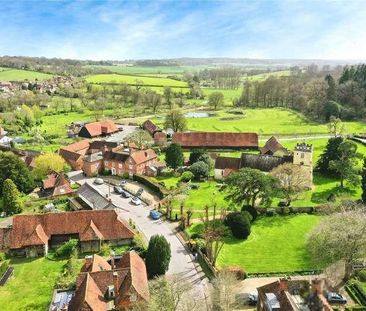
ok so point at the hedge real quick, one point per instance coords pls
(158, 189)
(3, 267)
(357, 293)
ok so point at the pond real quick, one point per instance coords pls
(198, 114)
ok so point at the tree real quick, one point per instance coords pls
(176, 120)
(292, 180)
(224, 297)
(15, 169)
(363, 181)
(140, 138)
(47, 163)
(200, 170)
(11, 198)
(195, 155)
(329, 154)
(158, 256)
(239, 224)
(186, 176)
(332, 108)
(174, 156)
(339, 237)
(331, 89)
(168, 95)
(347, 164)
(216, 99)
(335, 126)
(247, 186)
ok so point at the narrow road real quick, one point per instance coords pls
(181, 263)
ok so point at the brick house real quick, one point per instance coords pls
(216, 140)
(56, 185)
(150, 127)
(74, 153)
(114, 285)
(96, 129)
(33, 235)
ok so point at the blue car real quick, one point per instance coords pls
(155, 215)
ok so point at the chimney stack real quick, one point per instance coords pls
(283, 284)
(88, 260)
(115, 283)
(316, 286)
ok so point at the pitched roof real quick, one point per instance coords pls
(101, 128)
(116, 156)
(216, 140)
(271, 146)
(100, 144)
(39, 227)
(143, 156)
(74, 151)
(222, 163)
(150, 127)
(95, 263)
(59, 183)
(93, 198)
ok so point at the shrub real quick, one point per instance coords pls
(239, 224)
(158, 256)
(105, 249)
(362, 275)
(67, 248)
(186, 176)
(158, 189)
(200, 170)
(3, 267)
(239, 272)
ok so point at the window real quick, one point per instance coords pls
(302, 155)
(120, 165)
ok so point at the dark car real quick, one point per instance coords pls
(336, 298)
(117, 189)
(125, 194)
(252, 299)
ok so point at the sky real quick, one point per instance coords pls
(119, 30)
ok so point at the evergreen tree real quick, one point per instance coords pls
(196, 154)
(330, 153)
(11, 197)
(174, 156)
(158, 256)
(363, 181)
(331, 90)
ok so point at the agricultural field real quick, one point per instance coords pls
(133, 80)
(8, 74)
(276, 244)
(32, 285)
(264, 76)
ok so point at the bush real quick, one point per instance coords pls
(186, 176)
(362, 275)
(200, 170)
(3, 267)
(67, 248)
(105, 249)
(239, 272)
(158, 256)
(239, 224)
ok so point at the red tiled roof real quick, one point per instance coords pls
(271, 146)
(216, 140)
(150, 127)
(95, 263)
(143, 156)
(101, 128)
(59, 183)
(74, 151)
(106, 221)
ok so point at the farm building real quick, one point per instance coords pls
(114, 285)
(96, 129)
(216, 140)
(150, 127)
(33, 235)
(273, 147)
(89, 197)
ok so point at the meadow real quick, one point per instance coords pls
(7, 74)
(276, 244)
(133, 80)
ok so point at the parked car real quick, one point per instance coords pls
(252, 299)
(98, 181)
(125, 194)
(117, 189)
(135, 201)
(155, 215)
(336, 298)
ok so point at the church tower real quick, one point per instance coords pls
(303, 156)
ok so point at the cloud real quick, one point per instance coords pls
(168, 29)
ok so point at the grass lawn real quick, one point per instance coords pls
(130, 79)
(8, 74)
(276, 244)
(31, 287)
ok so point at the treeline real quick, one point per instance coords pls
(56, 66)
(318, 94)
(223, 78)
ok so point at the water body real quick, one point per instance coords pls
(198, 114)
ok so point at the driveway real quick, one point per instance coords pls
(181, 263)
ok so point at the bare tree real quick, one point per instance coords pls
(335, 126)
(339, 237)
(224, 292)
(140, 138)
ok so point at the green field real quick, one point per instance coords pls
(8, 74)
(276, 244)
(31, 287)
(133, 80)
(264, 76)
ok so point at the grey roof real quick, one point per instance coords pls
(94, 157)
(93, 198)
